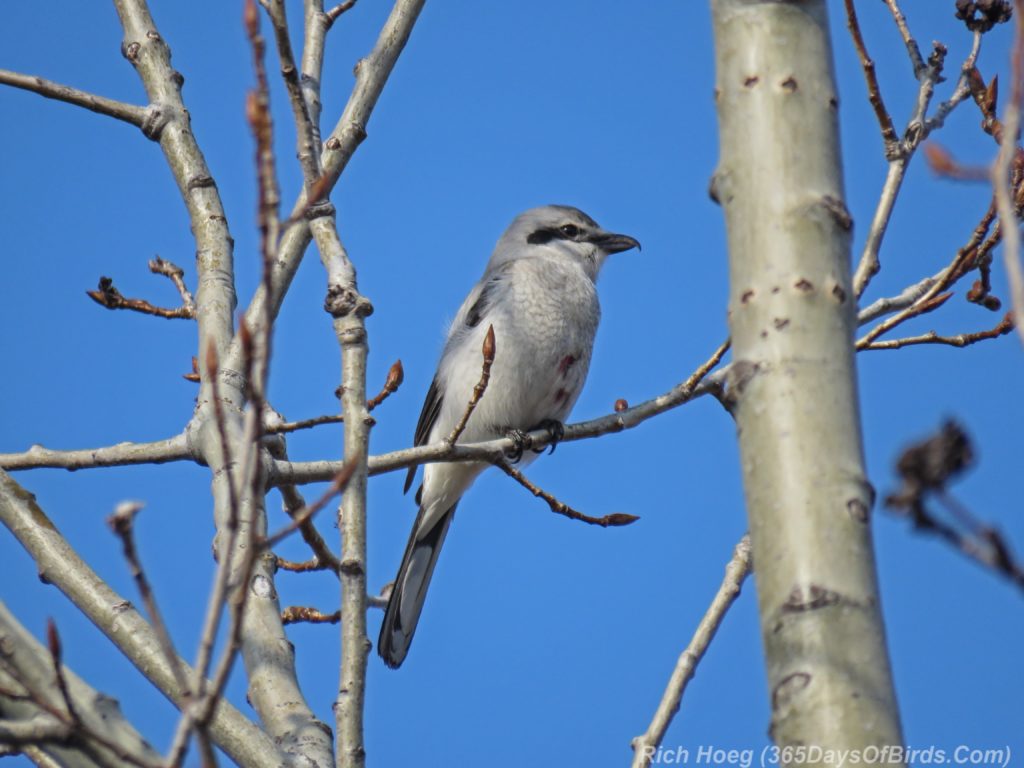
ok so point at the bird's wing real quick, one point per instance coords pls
(472, 312)
(428, 416)
(479, 301)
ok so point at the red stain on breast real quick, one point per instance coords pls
(567, 362)
(561, 395)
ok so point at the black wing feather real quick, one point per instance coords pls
(428, 416)
(432, 405)
(481, 305)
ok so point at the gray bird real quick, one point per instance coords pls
(538, 293)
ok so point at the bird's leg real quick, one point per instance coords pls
(556, 430)
(521, 442)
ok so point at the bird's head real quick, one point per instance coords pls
(563, 232)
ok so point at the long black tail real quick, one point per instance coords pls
(410, 590)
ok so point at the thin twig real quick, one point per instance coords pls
(960, 92)
(646, 746)
(56, 654)
(37, 457)
(333, 13)
(300, 517)
(306, 137)
(176, 275)
(479, 388)
(295, 614)
(917, 130)
(129, 113)
(957, 340)
(1001, 174)
(107, 295)
(284, 427)
(924, 305)
(915, 53)
(391, 385)
(868, 65)
(931, 298)
(560, 508)
(294, 504)
(889, 304)
(942, 163)
(396, 375)
(122, 523)
(322, 556)
(305, 566)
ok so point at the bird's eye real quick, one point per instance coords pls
(570, 230)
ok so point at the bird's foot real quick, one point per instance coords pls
(556, 431)
(521, 441)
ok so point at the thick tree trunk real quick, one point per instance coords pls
(792, 318)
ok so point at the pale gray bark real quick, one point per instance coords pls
(26, 664)
(792, 318)
(115, 616)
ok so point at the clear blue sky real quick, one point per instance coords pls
(543, 641)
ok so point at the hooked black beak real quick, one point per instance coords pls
(609, 242)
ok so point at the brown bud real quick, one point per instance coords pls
(194, 376)
(395, 377)
(53, 640)
(620, 518)
(976, 83)
(940, 161)
(211, 357)
(489, 345)
(251, 18)
(253, 109)
(621, 405)
(991, 96)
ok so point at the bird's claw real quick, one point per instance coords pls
(520, 442)
(556, 431)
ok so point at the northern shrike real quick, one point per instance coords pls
(538, 293)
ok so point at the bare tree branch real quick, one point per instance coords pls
(307, 138)
(108, 296)
(697, 384)
(372, 75)
(906, 298)
(296, 614)
(899, 154)
(339, 9)
(119, 110)
(36, 692)
(736, 571)
(958, 340)
(1001, 174)
(479, 388)
(147, 51)
(868, 65)
(115, 617)
(614, 519)
(37, 457)
(932, 296)
(275, 426)
(348, 309)
(122, 523)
